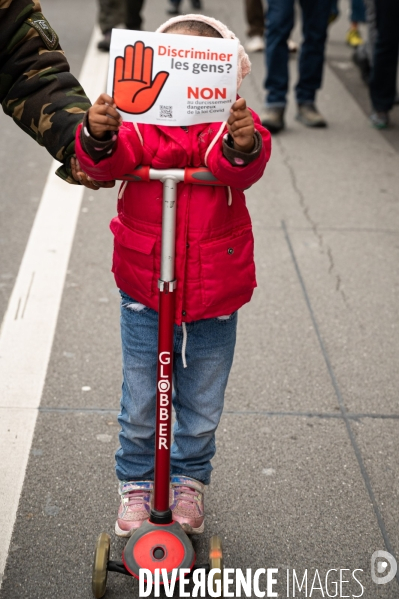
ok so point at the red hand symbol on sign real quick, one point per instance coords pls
(134, 90)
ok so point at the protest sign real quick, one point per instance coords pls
(166, 79)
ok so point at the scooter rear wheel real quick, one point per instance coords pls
(100, 572)
(216, 561)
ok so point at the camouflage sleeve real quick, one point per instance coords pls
(36, 88)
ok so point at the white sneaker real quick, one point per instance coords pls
(255, 44)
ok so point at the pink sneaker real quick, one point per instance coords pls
(187, 503)
(135, 506)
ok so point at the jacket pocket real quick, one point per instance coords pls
(133, 258)
(227, 267)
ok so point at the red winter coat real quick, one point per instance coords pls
(212, 280)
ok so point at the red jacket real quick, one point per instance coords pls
(215, 268)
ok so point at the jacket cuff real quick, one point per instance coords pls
(238, 158)
(65, 175)
(97, 149)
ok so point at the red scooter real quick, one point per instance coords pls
(160, 542)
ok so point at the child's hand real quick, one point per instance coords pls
(241, 126)
(103, 117)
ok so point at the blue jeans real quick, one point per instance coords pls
(198, 392)
(279, 23)
(358, 10)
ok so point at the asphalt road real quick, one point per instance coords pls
(306, 471)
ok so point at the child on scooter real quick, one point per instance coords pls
(215, 275)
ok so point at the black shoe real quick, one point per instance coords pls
(105, 43)
(196, 4)
(273, 118)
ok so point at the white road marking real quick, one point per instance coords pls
(27, 331)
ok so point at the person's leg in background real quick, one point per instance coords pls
(111, 14)
(334, 11)
(370, 44)
(371, 19)
(363, 54)
(279, 24)
(357, 15)
(385, 62)
(133, 9)
(315, 16)
(255, 15)
(174, 6)
(358, 11)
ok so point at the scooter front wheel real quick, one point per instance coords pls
(100, 563)
(216, 561)
(158, 546)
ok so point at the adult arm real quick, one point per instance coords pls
(36, 88)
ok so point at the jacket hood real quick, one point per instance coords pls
(243, 62)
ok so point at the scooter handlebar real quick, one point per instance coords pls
(200, 176)
(141, 173)
(195, 176)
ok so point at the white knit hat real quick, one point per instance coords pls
(243, 62)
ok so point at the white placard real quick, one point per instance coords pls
(166, 79)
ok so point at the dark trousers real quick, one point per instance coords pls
(279, 23)
(255, 14)
(133, 16)
(118, 12)
(385, 64)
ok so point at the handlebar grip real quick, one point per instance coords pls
(195, 176)
(200, 176)
(141, 173)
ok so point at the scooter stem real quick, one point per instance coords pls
(161, 513)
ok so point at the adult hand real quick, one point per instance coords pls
(134, 90)
(85, 180)
(240, 125)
